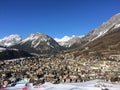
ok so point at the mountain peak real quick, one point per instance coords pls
(39, 43)
(12, 36)
(10, 40)
(116, 15)
(103, 29)
(37, 33)
(36, 36)
(68, 41)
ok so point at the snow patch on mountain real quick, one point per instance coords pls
(117, 26)
(68, 41)
(113, 22)
(10, 40)
(35, 39)
(39, 40)
(89, 85)
(63, 39)
(30, 38)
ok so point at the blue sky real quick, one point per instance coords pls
(56, 18)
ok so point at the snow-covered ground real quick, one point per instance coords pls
(89, 85)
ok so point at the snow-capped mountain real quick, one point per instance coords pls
(113, 22)
(42, 43)
(10, 40)
(67, 41)
(109, 43)
(36, 39)
(38, 43)
(103, 41)
(106, 27)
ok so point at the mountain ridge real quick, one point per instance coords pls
(43, 44)
(10, 40)
(39, 43)
(68, 41)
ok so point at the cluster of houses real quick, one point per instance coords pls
(58, 69)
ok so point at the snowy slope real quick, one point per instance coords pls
(68, 41)
(113, 22)
(89, 85)
(36, 39)
(10, 40)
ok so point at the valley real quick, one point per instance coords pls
(39, 58)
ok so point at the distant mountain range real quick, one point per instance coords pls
(104, 37)
(68, 42)
(102, 41)
(10, 40)
(15, 39)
